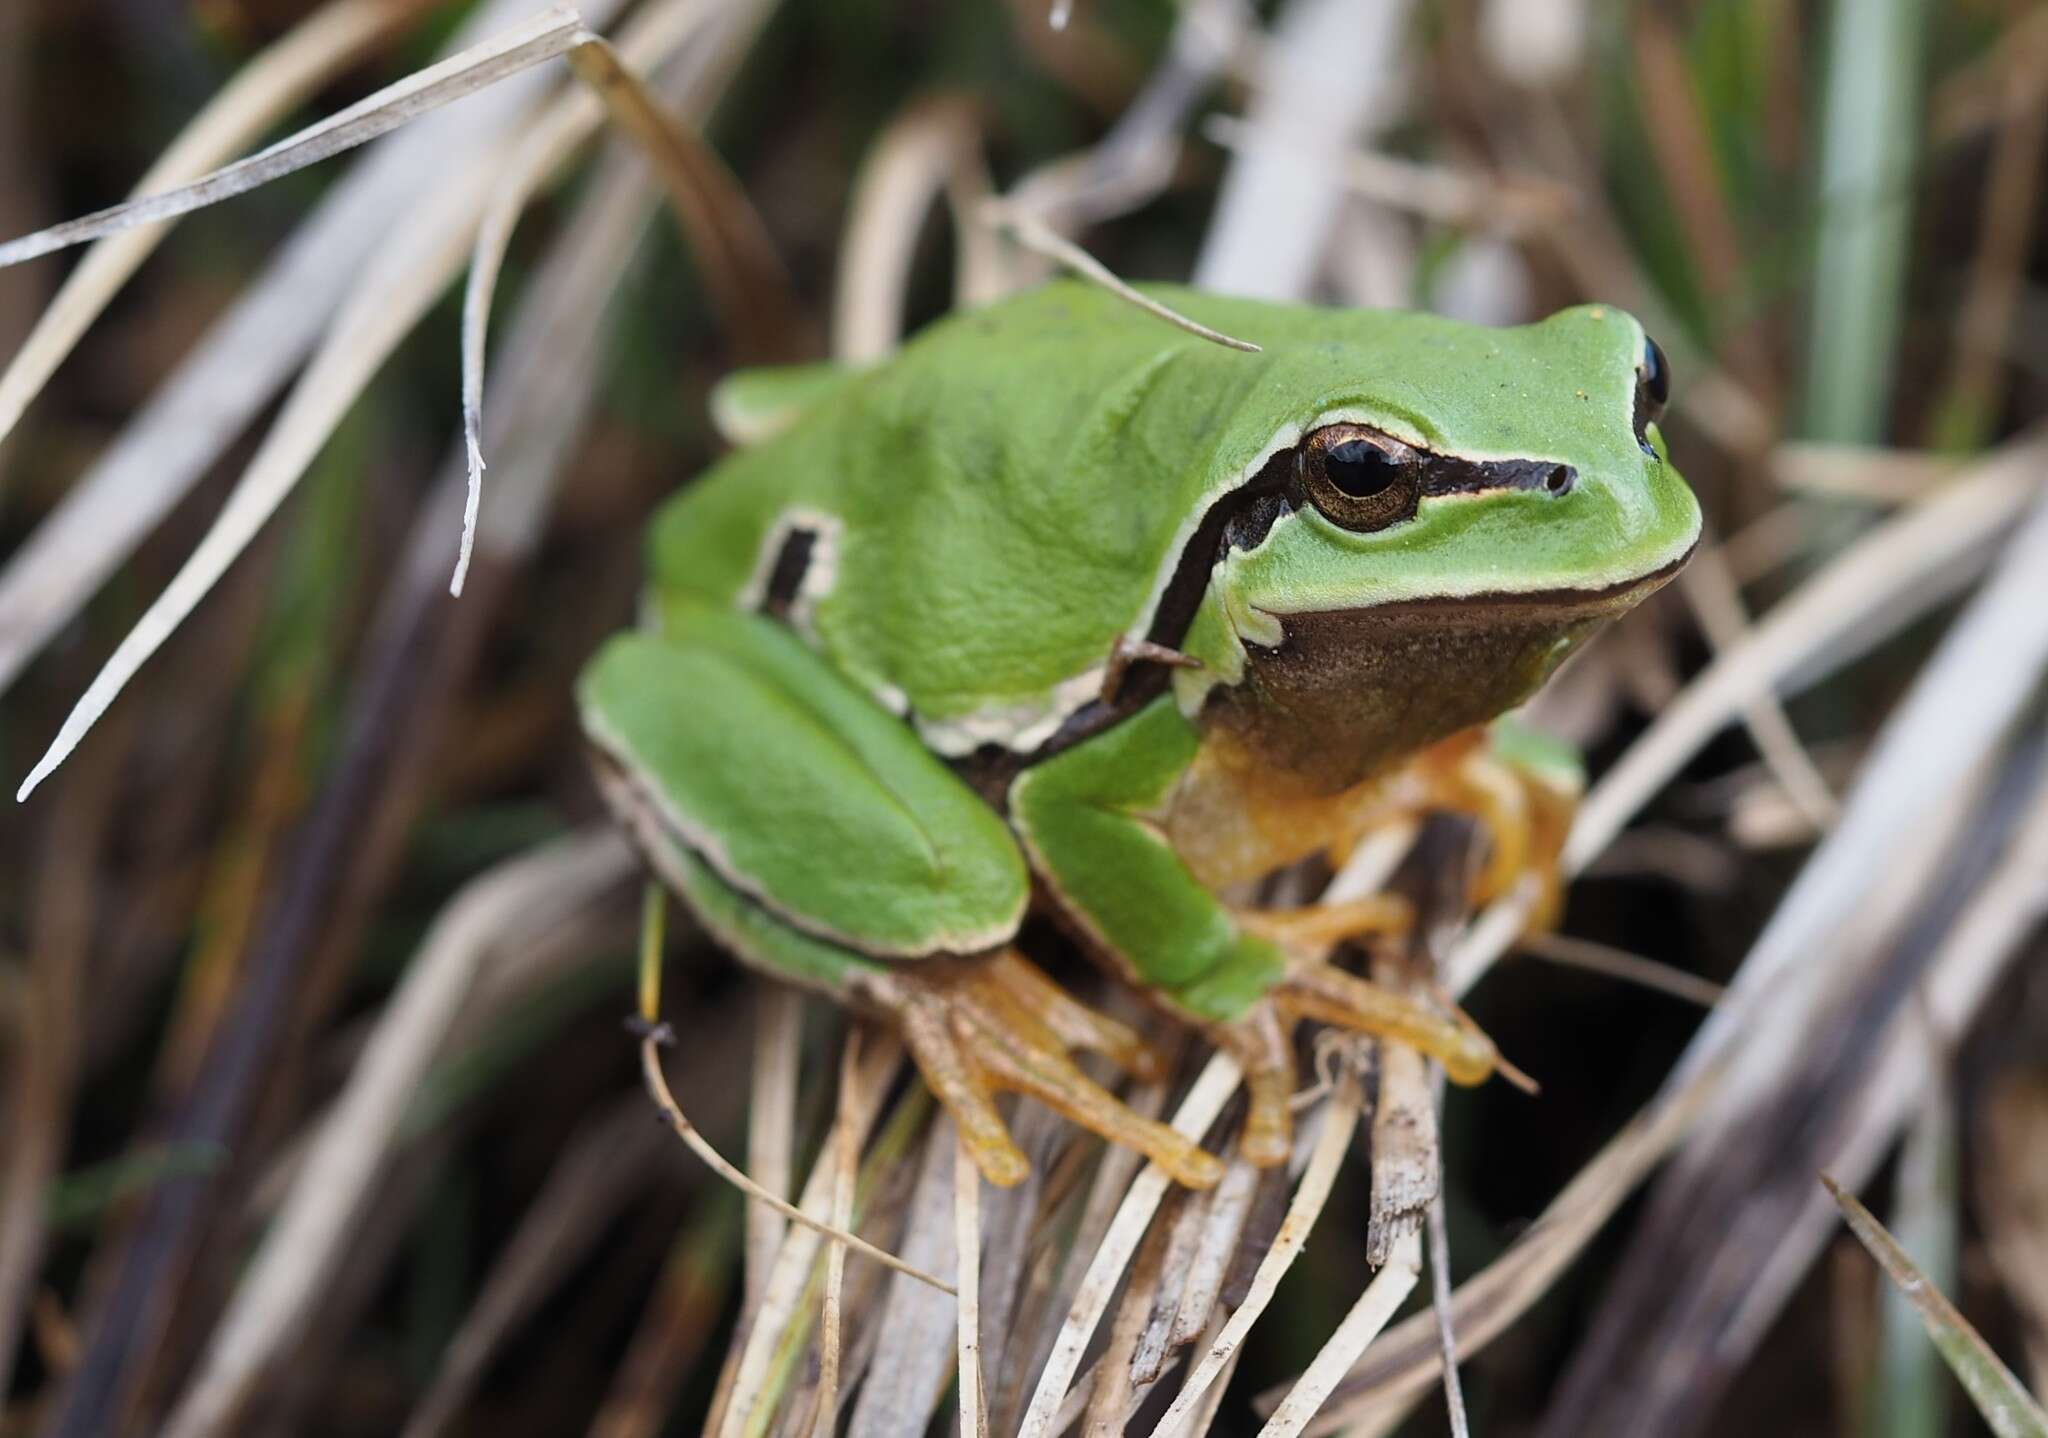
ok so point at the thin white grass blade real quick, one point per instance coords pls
(1439, 1234)
(967, 1278)
(1197, 1111)
(1949, 723)
(1340, 1123)
(268, 86)
(388, 301)
(542, 38)
(1489, 1302)
(547, 146)
(234, 371)
(1367, 1318)
(1035, 234)
(401, 283)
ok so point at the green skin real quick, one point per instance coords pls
(856, 748)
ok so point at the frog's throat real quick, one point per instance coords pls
(1347, 695)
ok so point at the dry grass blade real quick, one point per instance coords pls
(933, 148)
(658, 1090)
(845, 1151)
(1633, 968)
(1222, 1224)
(1922, 791)
(1503, 204)
(2005, 1405)
(245, 357)
(1439, 1235)
(916, 1332)
(743, 1403)
(388, 300)
(542, 38)
(1204, 1101)
(508, 904)
(268, 86)
(1405, 1163)
(1340, 1122)
(1403, 1367)
(1114, 1394)
(1329, 68)
(1035, 234)
(1389, 1288)
(967, 1275)
(771, 1126)
(744, 276)
(1893, 574)
(1717, 604)
(1949, 722)
(732, 249)
(1861, 472)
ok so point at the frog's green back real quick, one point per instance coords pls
(999, 502)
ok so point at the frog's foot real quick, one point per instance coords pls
(979, 1027)
(1313, 989)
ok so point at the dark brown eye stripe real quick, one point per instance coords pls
(1447, 474)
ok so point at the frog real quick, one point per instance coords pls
(1063, 611)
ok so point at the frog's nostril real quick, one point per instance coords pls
(1560, 479)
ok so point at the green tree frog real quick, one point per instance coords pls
(1062, 605)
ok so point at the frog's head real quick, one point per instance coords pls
(1435, 522)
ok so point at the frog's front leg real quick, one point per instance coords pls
(1089, 819)
(811, 833)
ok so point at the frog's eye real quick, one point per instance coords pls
(1359, 478)
(1653, 390)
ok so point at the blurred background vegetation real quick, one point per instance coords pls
(1831, 215)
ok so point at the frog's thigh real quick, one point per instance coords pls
(799, 793)
(745, 929)
(1085, 818)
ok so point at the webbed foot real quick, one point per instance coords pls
(979, 1027)
(1317, 990)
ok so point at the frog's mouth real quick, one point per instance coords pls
(1509, 606)
(1349, 693)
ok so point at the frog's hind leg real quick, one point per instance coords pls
(975, 1027)
(979, 1027)
(811, 832)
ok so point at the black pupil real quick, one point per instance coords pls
(1358, 469)
(1656, 374)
